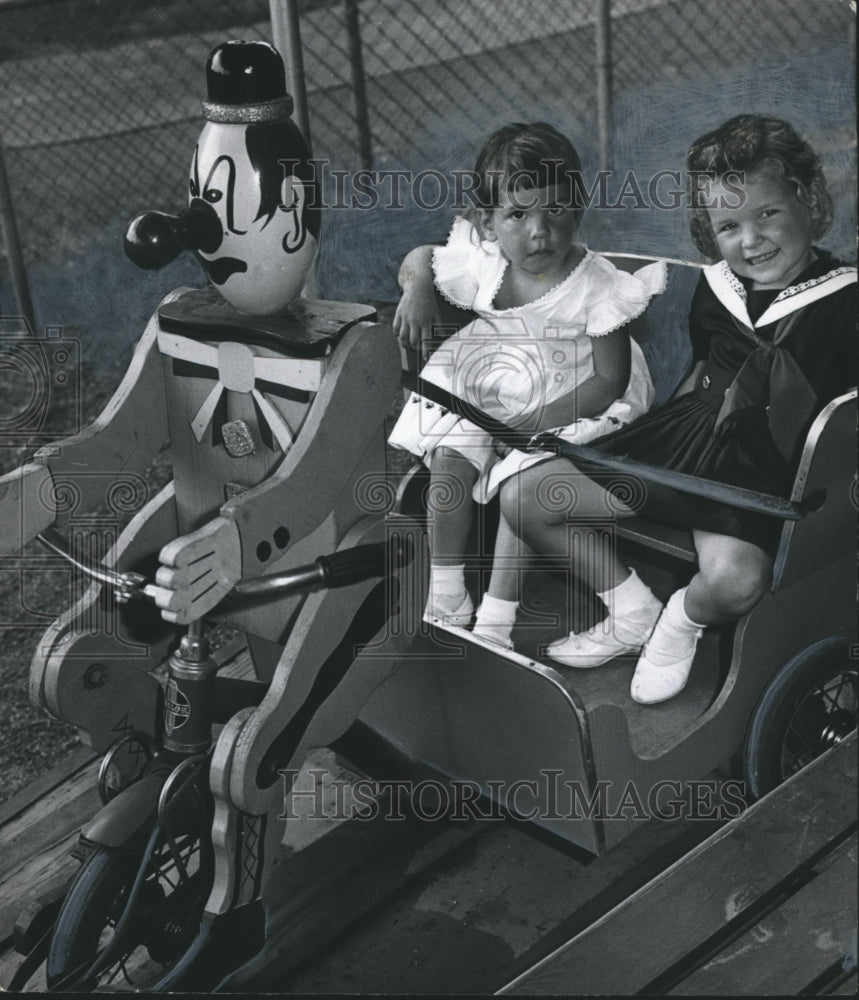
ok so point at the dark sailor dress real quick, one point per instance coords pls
(772, 361)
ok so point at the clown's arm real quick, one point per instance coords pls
(76, 473)
(347, 413)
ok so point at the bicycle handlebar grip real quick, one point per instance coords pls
(365, 561)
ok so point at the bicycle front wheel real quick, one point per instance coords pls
(96, 943)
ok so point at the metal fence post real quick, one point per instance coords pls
(9, 229)
(359, 83)
(286, 38)
(603, 67)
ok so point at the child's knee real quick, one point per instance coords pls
(518, 496)
(738, 577)
(510, 500)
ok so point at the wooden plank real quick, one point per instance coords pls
(330, 884)
(792, 946)
(45, 783)
(50, 818)
(672, 915)
(38, 880)
(489, 911)
(849, 988)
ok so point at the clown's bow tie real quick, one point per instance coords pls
(237, 368)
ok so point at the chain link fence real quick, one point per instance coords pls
(101, 107)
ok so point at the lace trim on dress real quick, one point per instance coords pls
(731, 278)
(587, 255)
(792, 290)
(629, 300)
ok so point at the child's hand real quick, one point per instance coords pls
(417, 314)
(501, 449)
(418, 310)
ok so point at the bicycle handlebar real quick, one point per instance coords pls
(339, 569)
(126, 585)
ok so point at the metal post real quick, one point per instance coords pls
(603, 68)
(12, 243)
(286, 38)
(359, 83)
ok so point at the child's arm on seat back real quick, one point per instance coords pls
(423, 314)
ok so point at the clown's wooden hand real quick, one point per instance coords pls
(197, 571)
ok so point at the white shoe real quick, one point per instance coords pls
(663, 667)
(459, 614)
(610, 638)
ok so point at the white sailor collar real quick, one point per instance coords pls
(729, 290)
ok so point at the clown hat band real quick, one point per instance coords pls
(245, 84)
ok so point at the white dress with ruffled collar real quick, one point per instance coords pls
(510, 362)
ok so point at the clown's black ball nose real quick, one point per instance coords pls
(154, 239)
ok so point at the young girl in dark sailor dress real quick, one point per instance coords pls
(773, 327)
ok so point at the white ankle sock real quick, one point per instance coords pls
(674, 639)
(495, 618)
(675, 612)
(663, 668)
(446, 587)
(627, 596)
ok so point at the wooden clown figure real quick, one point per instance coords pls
(272, 408)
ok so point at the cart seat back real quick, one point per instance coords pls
(663, 329)
(826, 483)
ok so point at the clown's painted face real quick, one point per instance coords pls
(269, 233)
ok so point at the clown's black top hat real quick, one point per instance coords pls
(245, 83)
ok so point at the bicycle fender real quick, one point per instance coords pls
(127, 820)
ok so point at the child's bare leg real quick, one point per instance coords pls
(548, 504)
(510, 561)
(496, 615)
(732, 577)
(450, 509)
(556, 509)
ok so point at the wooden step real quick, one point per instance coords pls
(736, 886)
(802, 942)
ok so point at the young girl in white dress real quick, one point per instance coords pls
(549, 349)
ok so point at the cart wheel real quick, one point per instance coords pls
(809, 707)
(164, 919)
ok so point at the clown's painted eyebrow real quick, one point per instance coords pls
(195, 177)
(230, 192)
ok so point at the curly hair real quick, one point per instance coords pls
(749, 143)
(536, 151)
